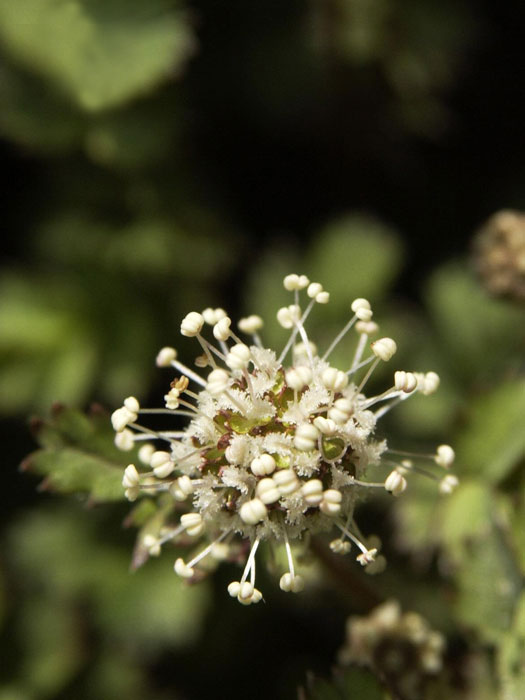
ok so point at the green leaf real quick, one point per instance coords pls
(511, 657)
(493, 441)
(350, 684)
(100, 52)
(465, 514)
(79, 456)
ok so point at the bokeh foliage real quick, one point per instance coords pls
(120, 119)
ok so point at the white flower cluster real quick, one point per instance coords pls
(272, 450)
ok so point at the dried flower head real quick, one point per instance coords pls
(272, 451)
(499, 250)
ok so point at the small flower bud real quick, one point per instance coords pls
(191, 324)
(192, 523)
(334, 380)
(340, 546)
(298, 377)
(430, 383)
(233, 588)
(250, 324)
(395, 483)
(287, 316)
(444, 456)
(306, 436)
(405, 381)
(217, 381)
(288, 583)
(293, 282)
(263, 465)
(287, 481)
(331, 502)
(121, 418)
(245, 592)
(448, 484)
(165, 357)
(162, 464)
(384, 348)
(252, 512)
(322, 297)
(312, 492)
(267, 491)
(221, 330)
(238, 357)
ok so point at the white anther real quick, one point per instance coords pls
(181, 488)
(288, 583)
(221, 330)
(287, 316)
(252, 512)
(124, 440)
(287, 481)
(384, 348)
(238, 357)
(121, 418)
(312, 492)
(430, 383)
(220, 551)
(233, 588)
(250, 324)
(368, 327)
(306, 436)
(293, 282)
(145, 453)
(201, 361)
(322, 297)
(444, 456)
(192, 523)
(213, 316)
(395, 483)
(367, 557)
(172, 399)
(152, 544)
(331, 502)
(131, 477)
(340, 546)
(334, 380)
(341, 410)
(181, 569)
(300, 351)
(256, 595)
(263, 465)
(162, 464)
(298, 377)
(314, 289)
(132, 493)
(165, 357)
(405, 381)
(361, 308)
(326, 425)
(245, 593)
(132, 404)
(267, 491)
(191, 324)
(448, 483)
(217, 381)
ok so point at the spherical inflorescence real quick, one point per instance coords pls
(272, 450)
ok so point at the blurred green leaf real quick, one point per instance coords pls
(493, 441)
(356, 256)
(101, 52)
(350, 684)
(78, 456)
(463, 515)
(481, 337)
(489, 583)
(511, 657)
